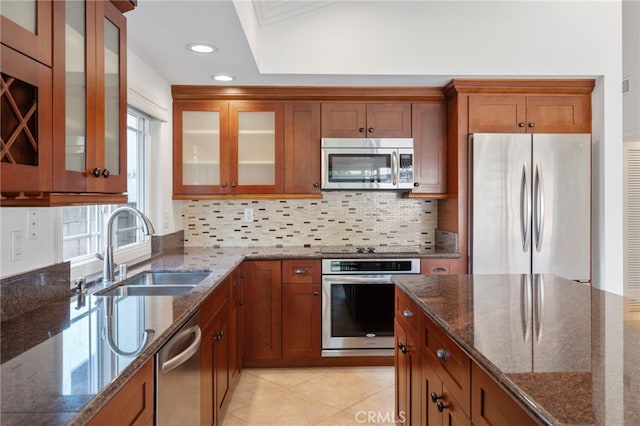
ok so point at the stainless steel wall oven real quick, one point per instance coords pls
(358, 305)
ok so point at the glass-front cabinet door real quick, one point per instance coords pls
(25, 26)
(200, 157)
(90, 82)
(227, 148)
(257, 140)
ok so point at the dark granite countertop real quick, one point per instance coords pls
(569, 353)
(56, 367)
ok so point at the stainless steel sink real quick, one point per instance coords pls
(155, 278)
(154, 283)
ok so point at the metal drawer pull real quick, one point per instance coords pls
(439, 269)
(440, 406)
(316, 293)
(442, 354)
(402, 348)
(300, 271)
(435, 397)
(407, 313)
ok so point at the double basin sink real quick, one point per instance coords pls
(156, 283)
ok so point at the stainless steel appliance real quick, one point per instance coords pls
(358, 305)
(530, 198)
(178, 377)
(363, 163)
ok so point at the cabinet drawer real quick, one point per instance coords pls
(301, 271)
(451, 364)
(441, 267)
(406, 312)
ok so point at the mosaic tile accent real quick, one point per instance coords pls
(340, 218)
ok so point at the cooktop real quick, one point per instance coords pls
(370, 249)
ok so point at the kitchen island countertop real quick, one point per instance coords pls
(567, 352)
(56, 368)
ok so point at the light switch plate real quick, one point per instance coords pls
(17, 243)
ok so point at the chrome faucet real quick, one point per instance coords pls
(147, 227)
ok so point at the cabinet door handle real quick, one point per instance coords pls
(361, 129)
(407, 313)
(520, 124)
(532, 124)
(316, 293)
(240, 302)
(106, 173)
(402, 348)
(233, 184)
(300, 271)
(234, 283)
(442, 354)
(440, 406)
(435, 397)
(223, 184)
(96, 172)
(242, 276)
(370, 130)
(316, 185)
(416, 184)
(439, 269)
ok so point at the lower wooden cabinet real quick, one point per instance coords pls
(262, 310)
(407, 361)
(439, 406)
(301, 309)
(442, 267)
(408, 376)
(491, 405)
(133, 404)
(214, 354)
(236, 325)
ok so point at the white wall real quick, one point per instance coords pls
(36, 253)
(631, 68)
(151, 93)
(476, 38)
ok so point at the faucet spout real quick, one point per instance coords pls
(147, 228)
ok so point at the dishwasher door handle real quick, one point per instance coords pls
(184, 356)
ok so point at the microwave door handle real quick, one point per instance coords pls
(394, 168)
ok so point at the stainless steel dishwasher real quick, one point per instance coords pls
(178, 377)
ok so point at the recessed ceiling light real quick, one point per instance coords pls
(222, 77)
(201, 48)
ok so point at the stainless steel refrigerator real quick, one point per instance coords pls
(530, 204)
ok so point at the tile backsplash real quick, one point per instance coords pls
(340, 218)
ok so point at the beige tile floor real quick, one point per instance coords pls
(313, 396)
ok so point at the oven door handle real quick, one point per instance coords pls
(356, 280)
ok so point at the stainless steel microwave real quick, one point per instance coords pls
(367, 163)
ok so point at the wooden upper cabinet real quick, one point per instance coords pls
(90, 83)
(26, 87)
(26, 26)
(227, 148)
(429, 129)
(529, 113)
(371, 120)
(301, 147)
(256, 154)
(559, 114)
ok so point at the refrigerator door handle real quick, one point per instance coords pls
(539, 206)
(538, 308)
(525, 306)
(525, 208)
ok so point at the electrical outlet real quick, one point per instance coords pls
(248, 215)
(33, 216)
(17, 242)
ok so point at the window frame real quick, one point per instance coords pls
(89, 265)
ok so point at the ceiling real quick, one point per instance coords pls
(159, 30)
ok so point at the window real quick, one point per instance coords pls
(83, 226)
